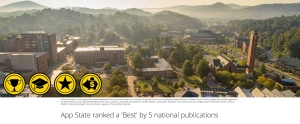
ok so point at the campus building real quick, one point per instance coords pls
(284, 83)
(289, 64)
(32, 41)
(99, 55)
(224, 63)
(262, 93)
(207, 92)
(61, 53)
(203, 36)
(69, 42)
(25, 63)
(154, 66)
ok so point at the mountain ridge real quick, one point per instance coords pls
(21, 5)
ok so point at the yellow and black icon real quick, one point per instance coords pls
(90, 84)
(65, 83)
(14, 83)
(39, 84)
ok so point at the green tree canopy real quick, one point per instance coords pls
(187, 68)
(202, 68)
(135, 60)
(107, 66)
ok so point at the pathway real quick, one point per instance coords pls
(130, 80)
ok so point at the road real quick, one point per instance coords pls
(130, 80)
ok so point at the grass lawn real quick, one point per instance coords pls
(212, 51)
(162, 86)
(103, 92)
(192, 78)
(235, 49)
(199, 84)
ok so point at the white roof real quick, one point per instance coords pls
(240, 92)
(267, 92)
(257, 93)
(60, 49)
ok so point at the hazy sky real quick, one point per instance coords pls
(123, 4)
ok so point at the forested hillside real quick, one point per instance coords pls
(66, 21)
(280, 35)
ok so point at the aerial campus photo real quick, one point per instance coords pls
(182, 49)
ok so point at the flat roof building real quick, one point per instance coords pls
(25, 63)
(155, 66)
(32, 41)
(99, 55)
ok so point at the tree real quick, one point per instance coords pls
(187, 68)
(195, 86)
(282, 77)
(204, 80)
(145, 86)
(262, 68)
(129, 49)
(298, 93)
(181, 83)
(136, 60)
(219, 87)
(174, 55)
(101, 34)
(242, 63)
(107, 66)
(155, 84)
(117, 78)
(162, 78)
(270, 84)
(256, 73)
(168, 82)
(154, 79)
(172, 62)
(109, 38)
(91, 37)
(118, 92)
(249, 84)
(197, 58)
(175, 85)
(231, 84)
(202, 68)
(278, 87)
(261, 80)
(66, 69)
(223, 77)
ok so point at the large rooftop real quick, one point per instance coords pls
(291, 61)
(38, 54)
(34, 32)
(288, 93)
(267, 92)
(97, 48)
(161, 65)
